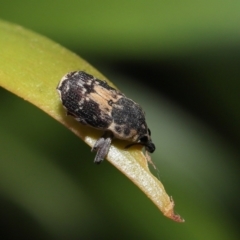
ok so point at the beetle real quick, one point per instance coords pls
(93, 102)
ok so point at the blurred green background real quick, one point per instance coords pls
(180, 61)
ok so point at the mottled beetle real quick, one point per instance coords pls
(93, 102)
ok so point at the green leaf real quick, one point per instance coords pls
(31, 67)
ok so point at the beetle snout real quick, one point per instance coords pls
(150, 147)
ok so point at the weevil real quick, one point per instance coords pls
(94, 103)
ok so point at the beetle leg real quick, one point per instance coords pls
(102, 146)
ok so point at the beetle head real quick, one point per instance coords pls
(147, 142)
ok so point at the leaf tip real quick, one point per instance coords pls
(170, 213)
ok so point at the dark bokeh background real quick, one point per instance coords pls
(180, 61)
